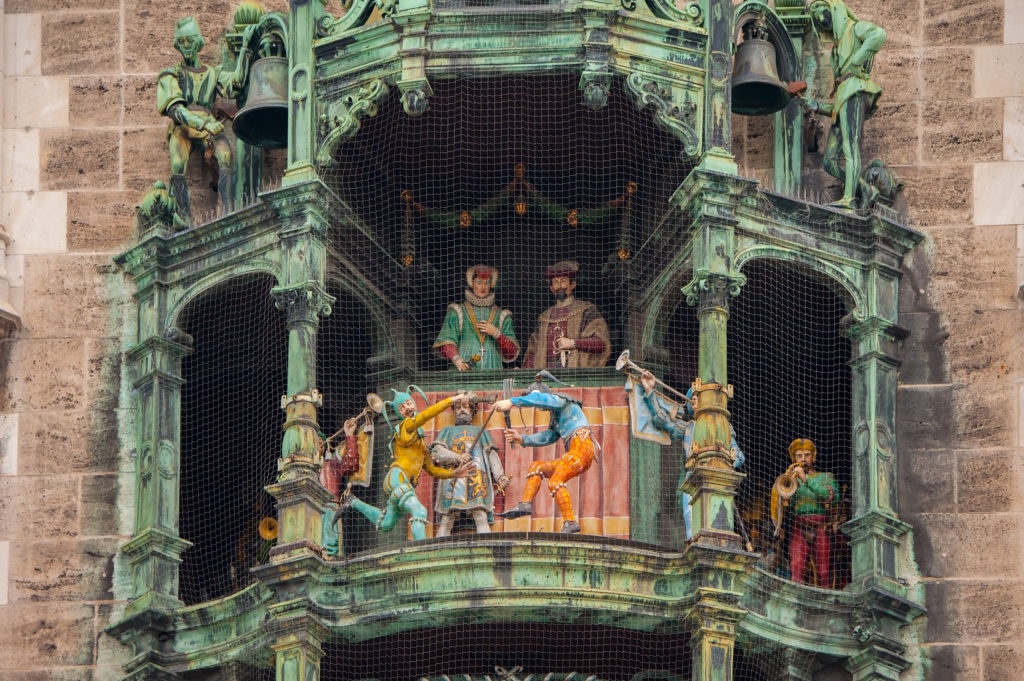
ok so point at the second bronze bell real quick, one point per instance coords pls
(263, 121)
(756, 87)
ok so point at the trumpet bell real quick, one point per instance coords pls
(785, 485)
(268, 528)
(375, 402)
(622, 361)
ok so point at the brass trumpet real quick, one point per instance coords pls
(624, 362)
(375, 406)
(785, 484)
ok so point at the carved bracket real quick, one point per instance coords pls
(416, 97)
(713, 290)
(679, 120)
(596, 79)
(334, 129)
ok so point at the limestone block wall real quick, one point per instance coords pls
(81, 142)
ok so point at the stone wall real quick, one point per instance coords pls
(81, 141)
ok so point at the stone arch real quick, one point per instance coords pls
(230, 425)
(834, 275)
(190, 294)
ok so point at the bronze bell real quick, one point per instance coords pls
(263, 121)
(756, 88)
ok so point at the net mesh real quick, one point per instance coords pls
(230, 434)
(789, 364)
(565, 652)
(517, 174)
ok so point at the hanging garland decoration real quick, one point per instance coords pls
(524, 197)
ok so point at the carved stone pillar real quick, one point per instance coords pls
(155, 551)
(713, 618)
(718, 155)
(300, 497)
(297, 642)
(302, 304)
(874, 531)
(710, 198)
(304, 17)
(713, 480)
(789, 123)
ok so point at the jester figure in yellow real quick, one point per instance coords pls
(410, 458)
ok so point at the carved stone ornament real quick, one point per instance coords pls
(156, 210)
(415, 101)
(713, 290)
(865, 623)
(176, 335)
(680, 121)
(387, 7)
(303, 303)
(595, 95)
(334, 129)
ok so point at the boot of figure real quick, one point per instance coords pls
(226, 189)
(179, 192)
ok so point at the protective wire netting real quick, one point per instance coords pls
(789, 365)
(514, 173)
(510, 650)
(517, 174)
(230, 434)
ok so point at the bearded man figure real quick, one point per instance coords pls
(571, 333)
(473, 494)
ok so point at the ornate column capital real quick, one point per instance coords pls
(302, 303)
(711, 290)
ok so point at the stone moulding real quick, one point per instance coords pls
(505, 577)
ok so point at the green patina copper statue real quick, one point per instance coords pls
(854, 45)
(187, 94)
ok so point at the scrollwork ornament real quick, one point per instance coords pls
(694, 11)
(628, 5)
(680, 121)
(386, 7)
(336, 128)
